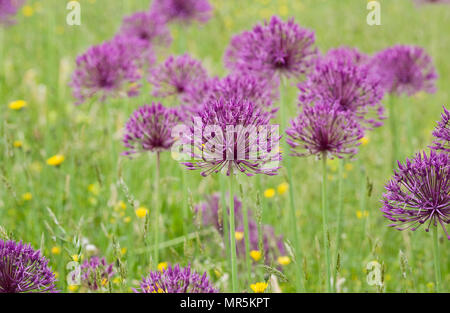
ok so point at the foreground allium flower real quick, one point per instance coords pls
(442, 133)
(150, 129)
(8, 9)
(96, 272)
(234, 136)
(184, 11)
(348, 54)
(176, 280)
(337, 78)
(111, 69)
(23, 269)
(148, 27)
(419, 193)
(405, 70)
(276, 48)
(262, 92)
(324, 129)
(180, 76)
(273, 245)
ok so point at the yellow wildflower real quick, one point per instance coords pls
(364, 140)
(94, 189)
(259, 287)
(17, 144)
(27, 196)
(56, 250)
(17, 105)
(162, 266)
(141, 212)
(282, 188)
(56, 160)
(284, 260)
(123, 250)
(27, 11)
(269, 193)
(239, 235)
(116, 280)
(348, 167)
(104, 281)
(75, 257)
(256, 255)
(127, 219)
(72, 288)
(361, 214)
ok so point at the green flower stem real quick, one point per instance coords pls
(325, 222)
(437, 267)
(225, 226)
(234, 281)
(246, 238)
(340, 213)
(393, 126)
(157, 209)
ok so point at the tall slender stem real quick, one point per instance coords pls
(234, 281)
(325, 222)
(157, 211)
(393, 125)
(292, 212)
(225, 221)
(339, 221)
(246, 238)
(437, 266)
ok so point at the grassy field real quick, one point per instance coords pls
(84, 193)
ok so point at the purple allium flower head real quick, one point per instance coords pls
(324, 129)
(184, 11)
(111, 69)
(348, 54)
(419, 193)
(146, 26)
(96, 272)
(23, 269)
(442, 133)
(181, 76)
(276, 48)
(211, 216)
(432, 1)
(337, 78)
(233, 136)
(262, 92)
(150, 129)
(8, 9)
(175, 279)
(405, 70)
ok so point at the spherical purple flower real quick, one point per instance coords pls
(96, 273)
(111, 69)
(176, 280)
(8, 9)
(336, 78)
(184, 11)
(324, 129)
(233, 136)
(262, 92)
(419, 193)
(23, 269)
(181, 76)
(349, 55)
(150, 129)
(405, 70)
(147, 26)
(432, 1)
(274, 49)
(442, 133)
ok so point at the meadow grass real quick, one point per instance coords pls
(37, 58)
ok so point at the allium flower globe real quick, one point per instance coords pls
(350, 55)
(184, 11)
(336, 78)
(275, 49)
(111, 69)
(8, 9)
(23, 269)
(96, 273)
(233, 136)
(324, 129)
(150, 129)
(442, 133)
(419, 193)
(405, 70)
(175, 279)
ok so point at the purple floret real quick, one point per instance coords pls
(442, 133)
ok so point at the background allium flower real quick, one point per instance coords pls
(337, 79)
(96, 272)
(8, 9)
(432, 1)
(324, 128)
(348, 54)
(232, 138)
(23, 269)
(148, 27)
(405, 70)
(184, 11)
(150, 129)
(262, 92)
(442, 133)
(209, 212)
(275, 48)
(176, 280)
(180, 76)
(110, 69)
(419, 193)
